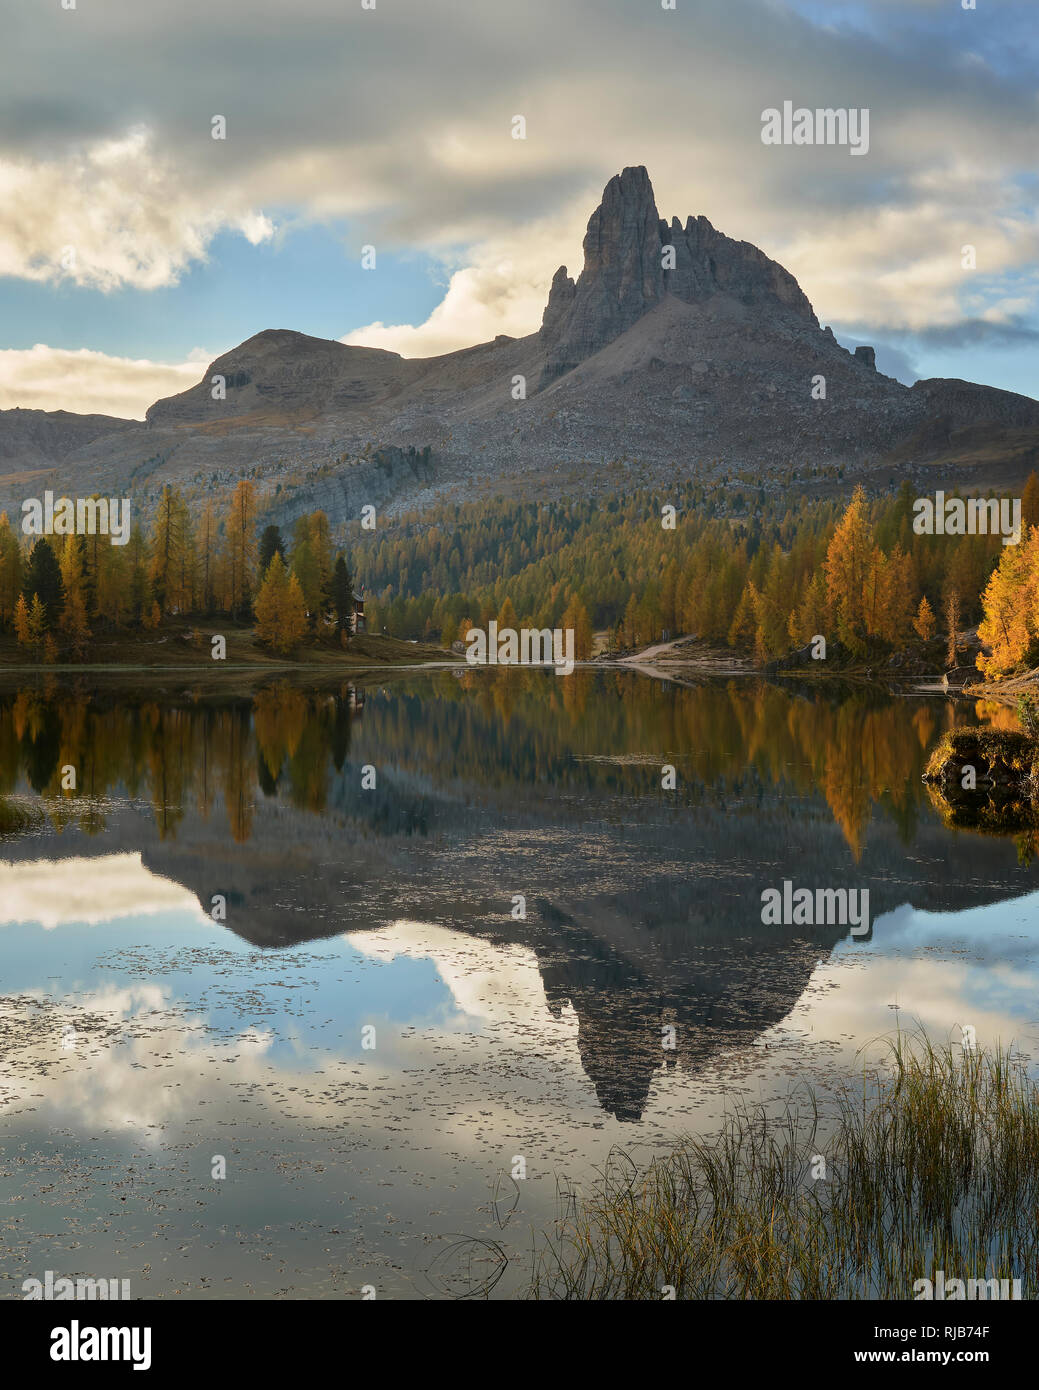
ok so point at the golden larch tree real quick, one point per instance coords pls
(281, 614)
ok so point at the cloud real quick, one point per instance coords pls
(977, 332)
(486, 981)
(399, 120)
(46, 378)
(109, 214)
(88, 891)
(503, 289)
(899, 266)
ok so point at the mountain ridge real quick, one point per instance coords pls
(676, 350)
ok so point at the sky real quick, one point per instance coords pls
(135, 247)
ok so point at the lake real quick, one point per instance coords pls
(306, 991)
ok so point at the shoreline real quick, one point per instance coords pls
(682, 661)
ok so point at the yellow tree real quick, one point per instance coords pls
(896, 596)
(771, 615)
(305, 565)
(73, 621)
(10, 570)
(113, 582)
(22, 628)
(1030, 502)
(849, 566)
(952, 625)
(96, 551)
(281, 614)
(1010, 608)
(241, 546)
(924, 623)
(166, 546)
(185, 574)
(324, 556)
(207, 559)
(745, 621)
(632, 624)
(576, 617)
(809, 618)
(30, 621)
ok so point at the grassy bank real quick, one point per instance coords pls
(188, 645)
(931, 1163)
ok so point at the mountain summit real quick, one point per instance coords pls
(677, 351)
(633, 259)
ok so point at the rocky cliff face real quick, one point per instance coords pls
(633, 259)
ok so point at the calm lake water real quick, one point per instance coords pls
(142, 1041)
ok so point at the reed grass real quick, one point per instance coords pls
(932, 1162)
(16, 817)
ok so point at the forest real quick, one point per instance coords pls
(61, 592)
(735, 567)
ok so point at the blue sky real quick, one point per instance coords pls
(307, 278)
(392, 128)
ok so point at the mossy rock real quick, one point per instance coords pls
(985, 815)
(999, 757)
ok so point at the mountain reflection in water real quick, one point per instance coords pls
(643, 906)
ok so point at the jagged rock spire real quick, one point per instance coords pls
(626, 273)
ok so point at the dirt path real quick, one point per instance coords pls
(687, 654)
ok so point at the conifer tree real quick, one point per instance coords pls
(281, 616)
(324, 558)
(1010, 608)
(22, 626)
(271, 544)
(576, 617)
(241, 548)
(10, 571)
(342, 596)
(74, 623)
(1030, 502)
(43, 581)
(208, 559)
(166, 544)
(952, 625)
(305, 566)
(632, 632)
(849, 562)
(925, 622)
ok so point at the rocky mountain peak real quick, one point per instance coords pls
(633, 259)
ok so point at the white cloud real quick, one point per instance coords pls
(901, 265)
(91, 383)
(55, 893)
(499, 983)
(873, 241)
(109, 214)
(502, 289)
